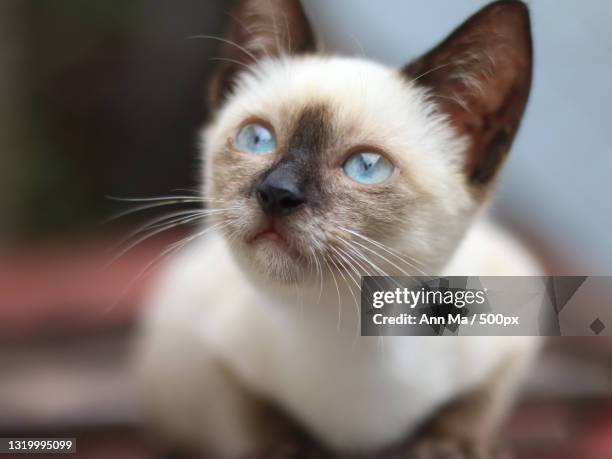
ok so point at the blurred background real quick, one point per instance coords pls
(105, 98)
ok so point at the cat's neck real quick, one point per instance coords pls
(330, 307)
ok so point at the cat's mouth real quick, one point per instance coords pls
(272, 234)
(269, 232)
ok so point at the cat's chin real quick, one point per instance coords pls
(269, 257)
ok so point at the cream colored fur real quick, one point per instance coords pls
(231, 322)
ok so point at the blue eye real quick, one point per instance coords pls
(368, 168)
(255, 139)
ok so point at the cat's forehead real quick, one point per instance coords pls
(327, 107)
(364, 100)
(332, 78)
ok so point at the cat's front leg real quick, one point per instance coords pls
(460, 432)
(196, 405)
(467, 428)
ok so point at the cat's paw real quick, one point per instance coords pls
(446, 448)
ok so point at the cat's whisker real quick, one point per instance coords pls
(312, 267)
(224, 40)
(348, 273)
(358, 43)
(157, 202)
(176, 220)
(357, 303)
(337, 289)
(193, 216)
(233, 234)
(319, 272)
(287, 29)
(276, 33)
(161, 230)
(253, 33)
(377, 270)
(166, 252)
(358, 253)
(439, 67)
(300, 290)
(367, 271)
(389, 250)
(384, 247)
(336, 250)
(196, 192)
(227, 59)
(381, 272)
(320, 269)
(374, 252)
(332, 261)
(163, 198)
(358, 262)
(237, 231)
(144, 238)
(157, 222)
(357, 284)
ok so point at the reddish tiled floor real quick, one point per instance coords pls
(68, 287)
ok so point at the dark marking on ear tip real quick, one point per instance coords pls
(491, 51)
(260, 28)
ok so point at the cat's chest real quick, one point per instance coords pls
(336, 385)
(338, 394)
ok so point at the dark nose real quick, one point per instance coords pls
(279, 193)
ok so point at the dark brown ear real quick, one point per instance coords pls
(259, 29)
(480, 76)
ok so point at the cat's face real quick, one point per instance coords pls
(323, 119)
(328, 163)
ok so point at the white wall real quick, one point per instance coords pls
(558, 180)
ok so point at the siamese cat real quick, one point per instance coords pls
(320, 169)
